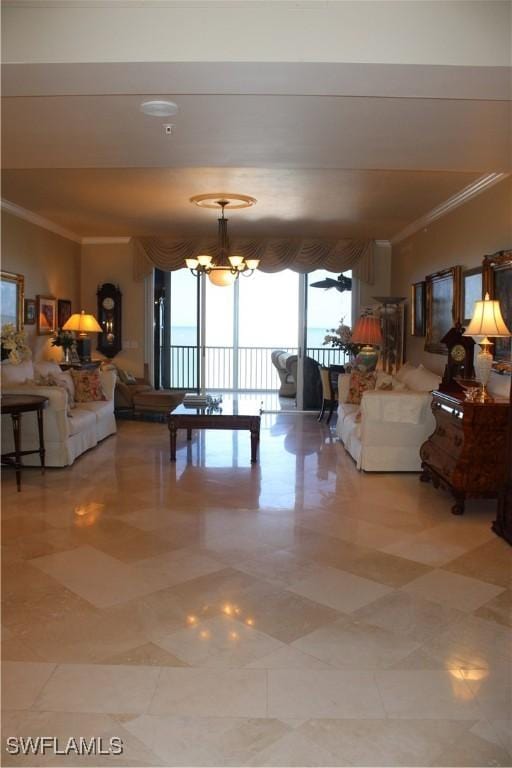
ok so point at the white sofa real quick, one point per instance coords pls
(385, 432)
(67, 432)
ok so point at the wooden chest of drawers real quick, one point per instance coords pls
(466, 453)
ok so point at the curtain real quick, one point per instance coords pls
(274, 254)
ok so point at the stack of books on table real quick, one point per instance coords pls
(194, 400)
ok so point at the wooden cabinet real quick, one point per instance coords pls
(503, 523)
(466, 454)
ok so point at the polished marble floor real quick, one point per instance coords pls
(292, 613)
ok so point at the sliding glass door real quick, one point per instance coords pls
(222, 339)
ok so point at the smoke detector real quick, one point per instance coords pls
(159, 108)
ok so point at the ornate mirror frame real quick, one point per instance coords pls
(497, 281)
(445, 284)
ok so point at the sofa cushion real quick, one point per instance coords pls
(47, 367)
(100, 408)
(80, 420)
(422, 380)
(16, 374)
(403, 371)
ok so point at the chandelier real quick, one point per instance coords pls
(226, 267)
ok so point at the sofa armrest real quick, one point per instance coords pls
(57, 396)
(343, 387)
(395, 407)
(55, 415)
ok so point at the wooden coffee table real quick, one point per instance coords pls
(231, 414)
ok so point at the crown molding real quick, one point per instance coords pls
(455, 201)
(39, 221)
(104, 240)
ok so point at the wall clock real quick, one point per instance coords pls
(109, 317)
(460, 359)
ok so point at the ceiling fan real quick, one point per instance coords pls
(342, 283)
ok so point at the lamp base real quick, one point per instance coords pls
(83, 348)
(367, 358)
(483, 395)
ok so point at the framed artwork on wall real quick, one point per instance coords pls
(471, 292)
(442, 292)
(497, 281)
(63, 311)
(29, 315)
(46, 313)
(418, 309)
(12, 290)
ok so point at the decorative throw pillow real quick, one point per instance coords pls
(63, 380)
(87, 386)
(359, 383)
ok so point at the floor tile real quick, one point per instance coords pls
(22, 681)
(428, 695)
(206, 693)
(472, 751)
(492, 690)
(288, 657)
(408, 615)
(294, 749)
(452, 589)
(321, 693)
(220, 642)
(99, 688)
(498, 609)
(339, 589)
(385, 742)
(205, 740)
(350, 644)
(489, 562)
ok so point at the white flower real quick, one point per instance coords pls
(15, 342)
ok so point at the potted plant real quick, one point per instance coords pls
(66, 340)
(14, 344)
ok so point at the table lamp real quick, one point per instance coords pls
(367, 332)
(487, 321)
(83, 324)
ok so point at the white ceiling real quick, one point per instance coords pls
(358, 146)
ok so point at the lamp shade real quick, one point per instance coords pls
(487, 320)
(82, 323)
(367, 331)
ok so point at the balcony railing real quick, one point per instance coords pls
(251, 371)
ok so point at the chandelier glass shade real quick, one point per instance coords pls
(226, 267)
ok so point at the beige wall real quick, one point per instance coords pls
(51, 267)
(113, 263)
(382, 281)
(481, 226)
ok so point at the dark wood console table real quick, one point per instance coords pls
(502, 526)
(16, 405)
(232, 414)
(466, 453)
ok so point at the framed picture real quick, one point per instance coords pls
(29, 315)
(418, 309)
(46, 312)
(497, 280)
(63, 312)
(442, 293)
(471, 292)
(13, 287)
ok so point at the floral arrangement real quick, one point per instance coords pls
(14, 344)
(341, 337)
(64, 339)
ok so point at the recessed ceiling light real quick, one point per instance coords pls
(159, 108)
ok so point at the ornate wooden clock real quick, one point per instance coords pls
(460, 359)
(109, 317)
